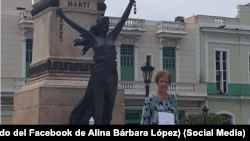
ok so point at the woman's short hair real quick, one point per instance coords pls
(162, 73)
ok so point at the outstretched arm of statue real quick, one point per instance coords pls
(75, 26)
(116, 31)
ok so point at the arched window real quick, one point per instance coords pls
(228, 114)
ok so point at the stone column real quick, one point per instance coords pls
(59, 74)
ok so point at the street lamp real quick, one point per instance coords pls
(147, 72)
(204, 111)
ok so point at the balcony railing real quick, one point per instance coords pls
(20, 82)
(219, 21)
(172, 26)
(25, 16)
(16, 83)
(132, 85)
(139, 86)
(214, 21)
(26, 19)
(130, 23)
(181, 87)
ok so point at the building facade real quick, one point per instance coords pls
(224, 62)
(14, 40)
(193, 50)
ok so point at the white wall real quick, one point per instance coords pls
(187, 56)
(13, 4)
(11, 48)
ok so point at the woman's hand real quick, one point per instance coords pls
(78, 42)
(59, 12)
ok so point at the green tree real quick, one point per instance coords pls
(212, 119)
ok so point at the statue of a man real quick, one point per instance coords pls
(98, 101)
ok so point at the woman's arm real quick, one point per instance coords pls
(116, 31)
(146, 113)
(75, 26)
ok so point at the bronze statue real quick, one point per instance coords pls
(100, 95)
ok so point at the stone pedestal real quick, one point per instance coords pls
(59, 73)
(46, 103)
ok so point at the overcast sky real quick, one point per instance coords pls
(167, 10)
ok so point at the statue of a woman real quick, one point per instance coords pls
(100, 95)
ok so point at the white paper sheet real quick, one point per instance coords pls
(166, 118)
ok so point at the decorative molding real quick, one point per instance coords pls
(167, 43)
(130, 31)
(25, 31)
(44, 5)
(25, 34)
(170, 43)
(162, 40)
(40, 68)
(225, 30)
(119, 41)
(60, 66)
(137, 38)
(178, 35)
(228, 42)
(128, 40)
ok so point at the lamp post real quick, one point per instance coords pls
(147, 72)
(204, 111)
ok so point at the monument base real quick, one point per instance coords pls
(50, 102)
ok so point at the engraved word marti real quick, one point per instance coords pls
(78, 4)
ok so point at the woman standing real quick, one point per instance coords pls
(100, 95)
(161, 101)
